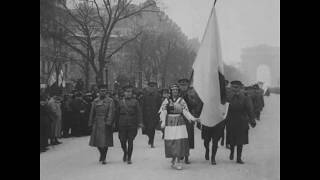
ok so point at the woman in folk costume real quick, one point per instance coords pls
(176, 137)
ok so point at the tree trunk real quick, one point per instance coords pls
(107, 76)
(140, 79)
(140, 73)
(87, 75)
(99, 77)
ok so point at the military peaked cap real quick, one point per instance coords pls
(183, 81)
(238, 83)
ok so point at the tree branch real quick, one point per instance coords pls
(142, 9)
(64, 41)
(102, 22)
(122, 45)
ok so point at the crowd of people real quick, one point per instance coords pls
(64, 116)
(174, 111)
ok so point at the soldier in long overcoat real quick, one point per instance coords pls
(240, 115)
(259, 100)
(45, 122)
(56, 116)
(151, 102)
(101, 121)
(188, 94)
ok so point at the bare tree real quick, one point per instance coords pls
(142, 50)
(90, 30)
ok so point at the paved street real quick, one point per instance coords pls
(75, 160)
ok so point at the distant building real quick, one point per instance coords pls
(48, 51)
(261, 58)
(158, 22)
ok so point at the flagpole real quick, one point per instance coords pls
(214, 4)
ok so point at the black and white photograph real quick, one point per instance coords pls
(159, 89)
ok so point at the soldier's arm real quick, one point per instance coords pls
(262, 99)
(111, 113)
(186, 111)
(199, 106)
(139, 114)
(250, 110)
(92, 114)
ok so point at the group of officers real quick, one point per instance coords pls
(102, 113)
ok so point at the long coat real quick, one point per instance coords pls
(240, 114)
(194, 105)
(116, 115)
(253, 96)
(101, 120)
(151, 103)
(56, 117)
(260, 100)
(79, 123)
(45, 122)
(66, 114)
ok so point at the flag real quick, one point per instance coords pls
(208, 78)
(52, 78)
(61, 79)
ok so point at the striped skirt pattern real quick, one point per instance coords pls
(176, 137)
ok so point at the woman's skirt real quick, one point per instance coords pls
(176, 137)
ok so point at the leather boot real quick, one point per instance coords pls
(231, 152)
(239, 153)
(213, 156)
(207, 154)
(186, 160)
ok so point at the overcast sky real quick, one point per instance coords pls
(242, 23)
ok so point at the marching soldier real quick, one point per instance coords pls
(101, 121)
(240, 115)
(115, 97)
(260, 101)
(151, 103)
(215, 133)
(129, 121)
(192, 101)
